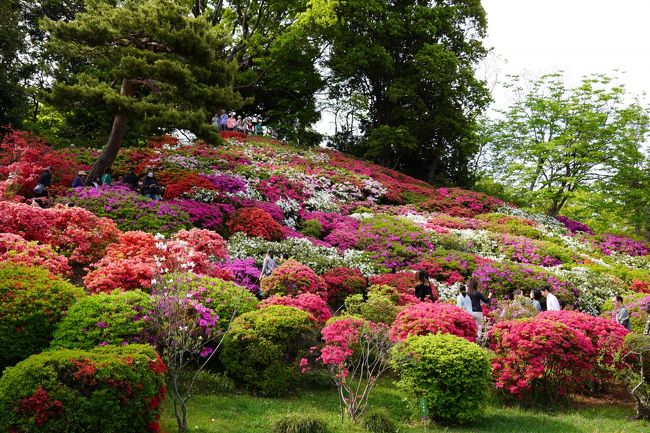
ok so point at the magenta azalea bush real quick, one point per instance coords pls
(609, 244)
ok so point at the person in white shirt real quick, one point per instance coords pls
(552, 304)
(462, 300)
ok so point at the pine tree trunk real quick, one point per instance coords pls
(114, 142)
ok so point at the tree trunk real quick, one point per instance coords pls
(114, 142)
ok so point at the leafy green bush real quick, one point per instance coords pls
(106, 390)
(378, 421)
(377, 308)
(32, 301)
(299, 423)
(103, 318)
(223, 297)
(449, 372)
(311, 228)
(263, 347)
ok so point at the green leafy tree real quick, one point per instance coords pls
(148, 61)
(12, 43)
(555, 141)
(413, 64)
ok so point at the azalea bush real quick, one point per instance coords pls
(436, 369)
(130, 210)
(377, 307)
(596, 286)
(431, 318)
(307, 302)
(539, 361)
(606, 336)
(609, 244)
(524, 250)
(211, 216)
(263, 348)
(103, 319)
(404, 282)
(356, 353)
(292, 278)
(342, 282)
(16, 249)
(460, 203)
(513, 225)
(255, 222)
(32, 302)
(245, 273)
(74, 232)
(105, 390)
(574, 226)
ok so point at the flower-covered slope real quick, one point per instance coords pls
(319, 207)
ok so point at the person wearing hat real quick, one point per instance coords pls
(80, 180)
(150, 188)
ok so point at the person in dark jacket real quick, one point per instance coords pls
(80, 180)
(150, 187)
(131, 179)
(423, 289)
(477, 298)
(44, 182)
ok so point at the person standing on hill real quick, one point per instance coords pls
(552, 304)
(462, 300)
(268, 265)
(477, 298)
(536, 297)
(223, 121)
(231, 122)
(622, 316)
(423, 289)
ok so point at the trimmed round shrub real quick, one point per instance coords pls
(106, 390)
(378, 421)
(538, 360)
(378, 308)
(299, 423)
(431, 318)
(293, 278)
(311, 228)
(102, 319)
(607, 336)
(342, 282)
(32, 301)
(306, 302)
(225, 298)
(255, 222)
(450, 373)
(263, 347)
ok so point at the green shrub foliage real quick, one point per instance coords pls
(263, 347)
(106, 390)
(101, 319)
(299, 423)
(452, 374)
(32, 301)
(378, 421)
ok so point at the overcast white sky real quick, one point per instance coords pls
(533, 37)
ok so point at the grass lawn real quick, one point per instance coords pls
(241, 413)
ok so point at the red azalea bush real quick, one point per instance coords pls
(200, 251)
(640, 286)
(178, 183)
(606, 336)
(460, 203)
(306, 301)
(425, 317)
(106, 390)
(342, 282)
(539, 359)
(255, 222)
(293, 278)
(278, 187)
(16, 249)
(75, 232)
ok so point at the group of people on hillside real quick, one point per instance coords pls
(471, 300)
(148, 185)
(232, 122)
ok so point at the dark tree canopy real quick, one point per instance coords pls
(412, 63)
(148, 62)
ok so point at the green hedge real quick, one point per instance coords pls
(449, 372)
(106, 390)
(264, 346)
(32, 301)
(103, 318)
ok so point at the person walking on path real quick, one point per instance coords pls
(536, 297)
(423, 289)
(552, 304)
(477, 298)
(462, 300)
(622, 315)
(268, 265)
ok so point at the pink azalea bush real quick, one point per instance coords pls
(574, 226)
(425, 318)
(539, 358)
(16, 249)
(609, 244)
(306, 301)
(293, 278)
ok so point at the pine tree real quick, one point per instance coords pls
(147, 61)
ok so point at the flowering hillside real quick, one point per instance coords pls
(320, 207)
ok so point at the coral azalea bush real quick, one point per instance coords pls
(306, 301)
(292, 278)
(255, 222)
(431, 318)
